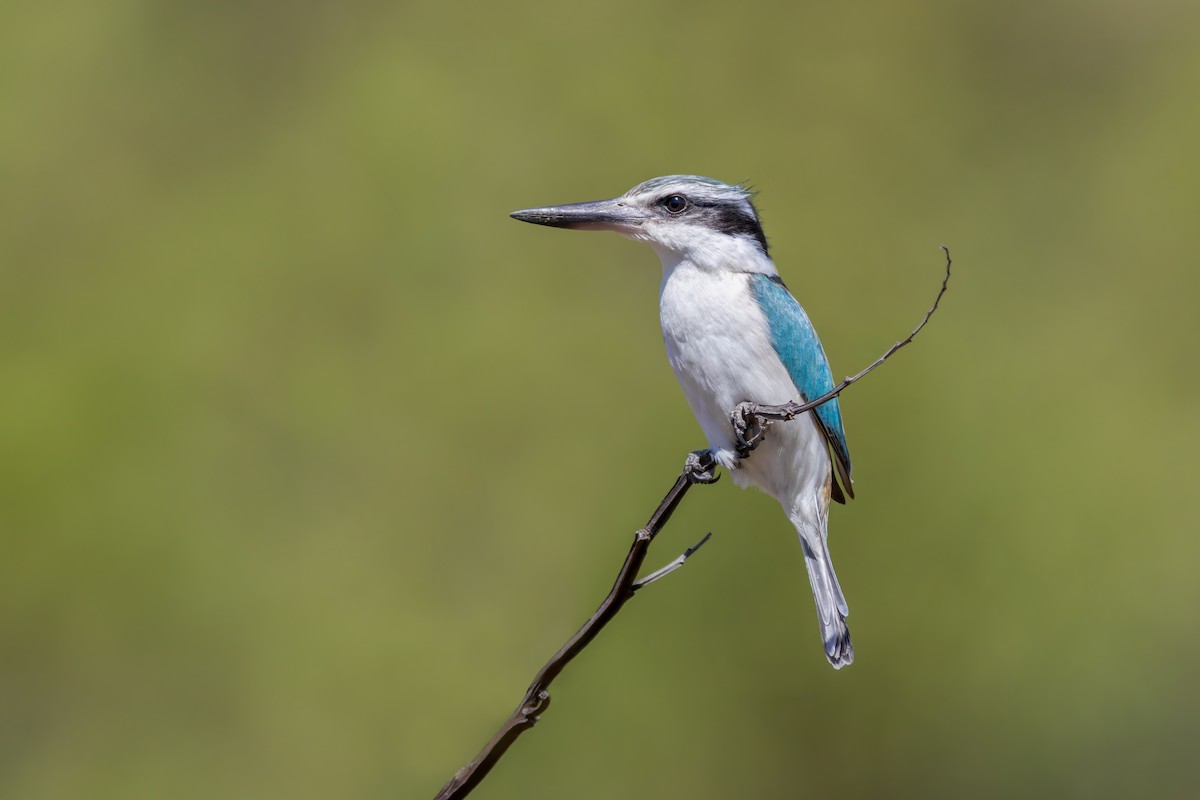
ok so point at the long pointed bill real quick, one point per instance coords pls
(599, 215)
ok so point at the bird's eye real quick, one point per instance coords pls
(676, 203)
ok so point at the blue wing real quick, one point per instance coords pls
(801, 353)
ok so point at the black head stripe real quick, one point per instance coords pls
(733, 220)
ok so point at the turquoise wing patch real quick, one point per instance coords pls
(800, 350)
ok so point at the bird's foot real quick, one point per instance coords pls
(750, 423)
(701, 467)
(749, 429)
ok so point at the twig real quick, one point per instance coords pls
(700, 468)
(825, 398)
(674, 565)
(537, 699)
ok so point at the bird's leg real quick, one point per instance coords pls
(701, 467)
(750, 423)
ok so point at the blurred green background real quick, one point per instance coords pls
(311, 456)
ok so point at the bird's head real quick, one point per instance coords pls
(688, 217)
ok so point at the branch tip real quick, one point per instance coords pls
(674, 565)
(687, 553)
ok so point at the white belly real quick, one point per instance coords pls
(720, 348)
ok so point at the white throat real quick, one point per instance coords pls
(710, 251)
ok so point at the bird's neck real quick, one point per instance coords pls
(725, 254)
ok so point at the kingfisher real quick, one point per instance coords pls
(735, 335)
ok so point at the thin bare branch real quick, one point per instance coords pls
(536, 698)
(825, 398)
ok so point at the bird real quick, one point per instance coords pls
(734, 334)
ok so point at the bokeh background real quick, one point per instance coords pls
(311, 456)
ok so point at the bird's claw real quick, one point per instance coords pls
(701, 467)
(749, 429)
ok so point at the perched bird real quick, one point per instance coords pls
(734, 334)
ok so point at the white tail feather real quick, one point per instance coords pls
(831, 603)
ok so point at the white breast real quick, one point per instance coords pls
(719, 346)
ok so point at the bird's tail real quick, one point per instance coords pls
(831, 603)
